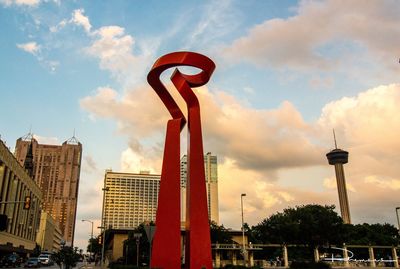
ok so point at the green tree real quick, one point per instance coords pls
(66, 256)
(130, 246)
(374, 234)
(94, 246)
(219, 234)
(311, 225)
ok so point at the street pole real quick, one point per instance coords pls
(137, 237)
(103, 224)
(398, 221)
(243, 244)
(91, 238)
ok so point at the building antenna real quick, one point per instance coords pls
(73, 135)
(334, 138)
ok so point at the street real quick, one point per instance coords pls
(55, 266)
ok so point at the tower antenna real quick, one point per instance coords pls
(334, 138)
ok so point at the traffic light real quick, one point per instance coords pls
(100, 238)
(3, 222)
(27, 202)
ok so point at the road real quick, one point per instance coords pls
(55, 266)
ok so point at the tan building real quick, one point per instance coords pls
(211, 173)
(22, 224)
(56, 169)
(129, 199)
(49, 236)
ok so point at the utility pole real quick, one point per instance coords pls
(243, 243)
(137, 237)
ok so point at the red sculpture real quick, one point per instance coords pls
(166, 252)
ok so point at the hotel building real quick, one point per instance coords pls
(129, 199)
(56, 169)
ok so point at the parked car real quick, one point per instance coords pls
(12, 260)
(46, 259)
(32, 263)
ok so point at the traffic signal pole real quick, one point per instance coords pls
(26, 202)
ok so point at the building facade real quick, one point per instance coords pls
(211, 173)
(56, 169)
(22, 224)
(129, 199)
(49, 236)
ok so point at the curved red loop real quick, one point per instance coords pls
(182, 58)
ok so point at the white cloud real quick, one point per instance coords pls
(47, 140)
(79, 18)
(59, 26)
(383, 183)
(320, 30)
(330, 183)
(114, 49)
(30, 47)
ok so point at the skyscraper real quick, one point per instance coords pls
(129, 199)
(211, 173)
(56, 169)
(338, 157)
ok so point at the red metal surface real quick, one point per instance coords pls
(166, 244)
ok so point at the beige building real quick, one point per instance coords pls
(56, 169)
(49, 236)
(129, 199)
(22, 224)
(211, 173)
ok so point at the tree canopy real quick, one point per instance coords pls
(316, 225)
(309, 224)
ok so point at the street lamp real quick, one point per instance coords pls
(241, 203)
(137, 237)
(397, 214)
(103, 224)
(91, 238)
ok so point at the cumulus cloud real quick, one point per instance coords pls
(79, 18)
(348, 27)
(264, 140)
(114, 49)
(366, 125)
(30, 47)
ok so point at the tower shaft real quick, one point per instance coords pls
(342, 191)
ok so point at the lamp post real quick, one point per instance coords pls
(103, 227)
(91, 238)
(137, 237)
(241, 204)
(397, 214)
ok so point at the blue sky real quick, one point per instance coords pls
(287, 73)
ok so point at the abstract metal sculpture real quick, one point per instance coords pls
(167, 243)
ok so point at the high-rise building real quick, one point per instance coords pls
(129, 199)
(211, 173)
(21, 220)
(338, 157)
(56, 169)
